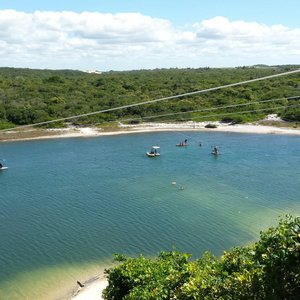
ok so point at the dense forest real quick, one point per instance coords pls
(30, 96)
(268, 269)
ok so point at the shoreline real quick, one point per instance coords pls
(76, 132)
(92, 290)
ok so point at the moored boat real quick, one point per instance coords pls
(155, 151)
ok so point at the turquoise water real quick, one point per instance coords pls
(67, 205)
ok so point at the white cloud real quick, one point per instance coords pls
(133, 41)
(249, 40)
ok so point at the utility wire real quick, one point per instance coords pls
(157, 100)
(234, 113)
(210, 108)
(244, 111)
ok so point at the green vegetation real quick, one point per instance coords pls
(31, 96)
(268, 269)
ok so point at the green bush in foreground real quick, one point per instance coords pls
(268, 269)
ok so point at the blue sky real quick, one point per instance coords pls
(136, 34)
(179, 12)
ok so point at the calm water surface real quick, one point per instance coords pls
(67, 205)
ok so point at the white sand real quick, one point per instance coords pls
(151, 127)
(221, 127)
(189, 126)
(91, 291)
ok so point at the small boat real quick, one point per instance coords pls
(215, 150)
(155, 151)
(2, 167)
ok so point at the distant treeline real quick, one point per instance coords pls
(30, 96)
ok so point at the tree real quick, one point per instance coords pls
(268, 269)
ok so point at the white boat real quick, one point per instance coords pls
(215, 150)
(155, 151)
(2, 167)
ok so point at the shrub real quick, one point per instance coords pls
(268, 269)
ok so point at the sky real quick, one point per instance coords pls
(148, 34)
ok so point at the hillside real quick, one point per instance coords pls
(30, 96)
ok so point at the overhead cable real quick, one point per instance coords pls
(157, 100)
(211, 108)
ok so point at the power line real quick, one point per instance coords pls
(245, 111)
(157, 100)
(236, 113)
(211, 108)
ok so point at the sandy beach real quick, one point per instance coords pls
(91, 291)
(70, 132)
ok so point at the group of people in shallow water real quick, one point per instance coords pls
(215, 149)
(183, 143)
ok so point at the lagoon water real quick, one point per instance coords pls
(67, 205)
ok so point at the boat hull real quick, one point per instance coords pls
(152, 154)
(215, 153)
